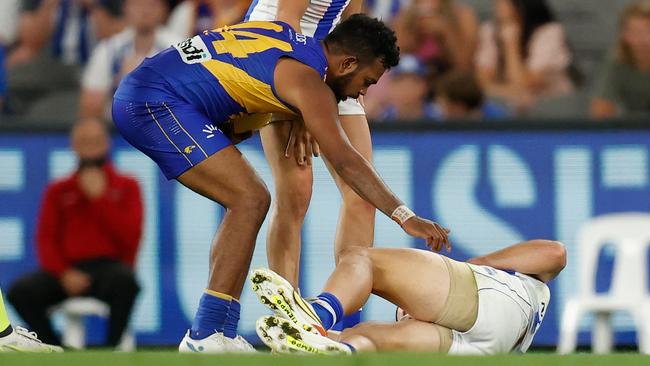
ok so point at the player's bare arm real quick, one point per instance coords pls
(290, 12)
(302, 87)
(542, 259)
(355, 7)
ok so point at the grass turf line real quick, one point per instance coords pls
(99, 358)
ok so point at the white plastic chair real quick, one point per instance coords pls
(74, 310)
(629, 233)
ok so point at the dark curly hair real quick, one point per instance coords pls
(366, 39)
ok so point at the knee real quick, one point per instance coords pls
(356, 254)
(293, 196)
(256, 201)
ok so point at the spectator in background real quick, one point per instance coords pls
(407, 91)
(441, 33)
(385, 10)
(8, 27)
(107, 18)
(623, 85)
(62, 24)
(3, 79)
(523, 54)
(459, 97)
(194, 16)
(87, 239)
(55, 38)
(116, 56)
(9, 10)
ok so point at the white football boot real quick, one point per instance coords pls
(215, 343)
(278, 295)
(284, 336)
(22, 340)
(243, 346)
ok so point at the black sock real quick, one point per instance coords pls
(6, 332)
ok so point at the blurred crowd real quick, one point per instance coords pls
(61, 60)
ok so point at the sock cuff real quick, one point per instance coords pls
(334, 302)
(219, 295)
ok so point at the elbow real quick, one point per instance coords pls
(557, 255)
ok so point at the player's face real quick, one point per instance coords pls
(145, 15)
(352, 84)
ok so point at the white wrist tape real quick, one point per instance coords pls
(401, 214)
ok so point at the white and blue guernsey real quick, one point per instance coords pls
(319, 19)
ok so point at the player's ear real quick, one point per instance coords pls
(348, 65)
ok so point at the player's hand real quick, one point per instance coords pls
(435, 235)
(301, 144)
(75, 282)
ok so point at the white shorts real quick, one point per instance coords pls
(504, 313)
(350, 107)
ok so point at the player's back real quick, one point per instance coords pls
(321, 16)
(223, 72)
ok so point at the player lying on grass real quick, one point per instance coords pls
(490, 304)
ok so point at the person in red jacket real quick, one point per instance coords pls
(88, 233)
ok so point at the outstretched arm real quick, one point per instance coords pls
(543, 259)
(302, 87)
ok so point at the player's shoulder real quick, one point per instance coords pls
(292, 70)
(299, 84)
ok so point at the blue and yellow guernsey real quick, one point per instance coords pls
(224, 73)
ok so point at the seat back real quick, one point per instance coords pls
(83, 306)
(629, 233)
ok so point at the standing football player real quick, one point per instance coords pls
(287, 137)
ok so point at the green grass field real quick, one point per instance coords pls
(169, 358)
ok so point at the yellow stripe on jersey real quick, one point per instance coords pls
(254, 43)
(251, 122)
(260, 24)
(241, 48)
(253, 95)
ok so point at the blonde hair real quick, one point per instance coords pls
(639, 9)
